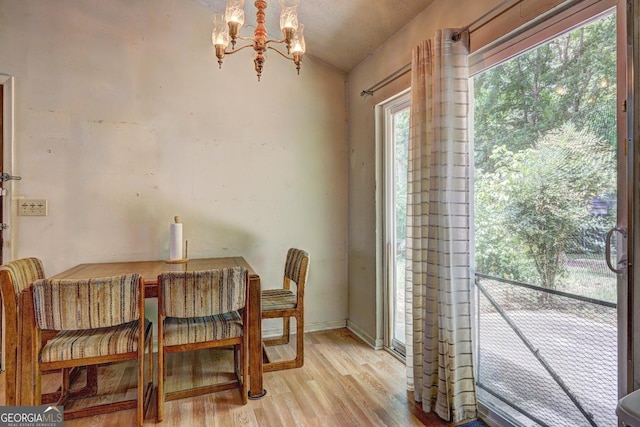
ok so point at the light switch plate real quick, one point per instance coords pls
(32, 207)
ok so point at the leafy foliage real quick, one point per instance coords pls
(401, 139)
(572, 78)
(544, 200)
(545, 138)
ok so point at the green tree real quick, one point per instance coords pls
(572, 78)
(545, 199)
(498, 252)
(544, 143)
(401, 139)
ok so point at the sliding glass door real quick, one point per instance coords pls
(546, 192)
(396, 148)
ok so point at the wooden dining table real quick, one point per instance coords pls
(149, 270)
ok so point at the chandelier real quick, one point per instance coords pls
(226, 28)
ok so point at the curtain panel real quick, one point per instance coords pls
(438, 289)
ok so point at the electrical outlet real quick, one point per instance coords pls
(32, 207)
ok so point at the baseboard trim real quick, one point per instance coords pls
(376, 344)
(308, 327)
(275, 332)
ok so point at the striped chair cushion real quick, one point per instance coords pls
(23, 272)
(91, 343)
(278, 299)
(87, 303)
(191, 330)
(203, 293)
(293, 264)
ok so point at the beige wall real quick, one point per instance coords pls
(123, 120)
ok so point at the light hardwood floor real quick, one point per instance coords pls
(342, 383)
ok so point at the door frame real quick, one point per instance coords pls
(631, 364)
(7, 146)
(399, 102)
(384, 163)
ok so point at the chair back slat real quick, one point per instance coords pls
(296, 265)
(203, 293)
(62, 304)
(23, 272)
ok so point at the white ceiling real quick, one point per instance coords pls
(339, 32)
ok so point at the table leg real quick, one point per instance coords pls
(256, 390)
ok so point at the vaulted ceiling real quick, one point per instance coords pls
(340, 33)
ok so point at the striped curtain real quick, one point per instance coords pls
(439, 349)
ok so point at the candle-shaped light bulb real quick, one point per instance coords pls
(235, 12)
(288, 20)
(219, 36)
(298, 44)
(234, 16)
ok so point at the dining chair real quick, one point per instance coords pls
(202, 310)
(285, 303)
(101, 320)
(16, 276)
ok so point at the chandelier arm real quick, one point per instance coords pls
(276, 41)
(231, 52)
(281, 54)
